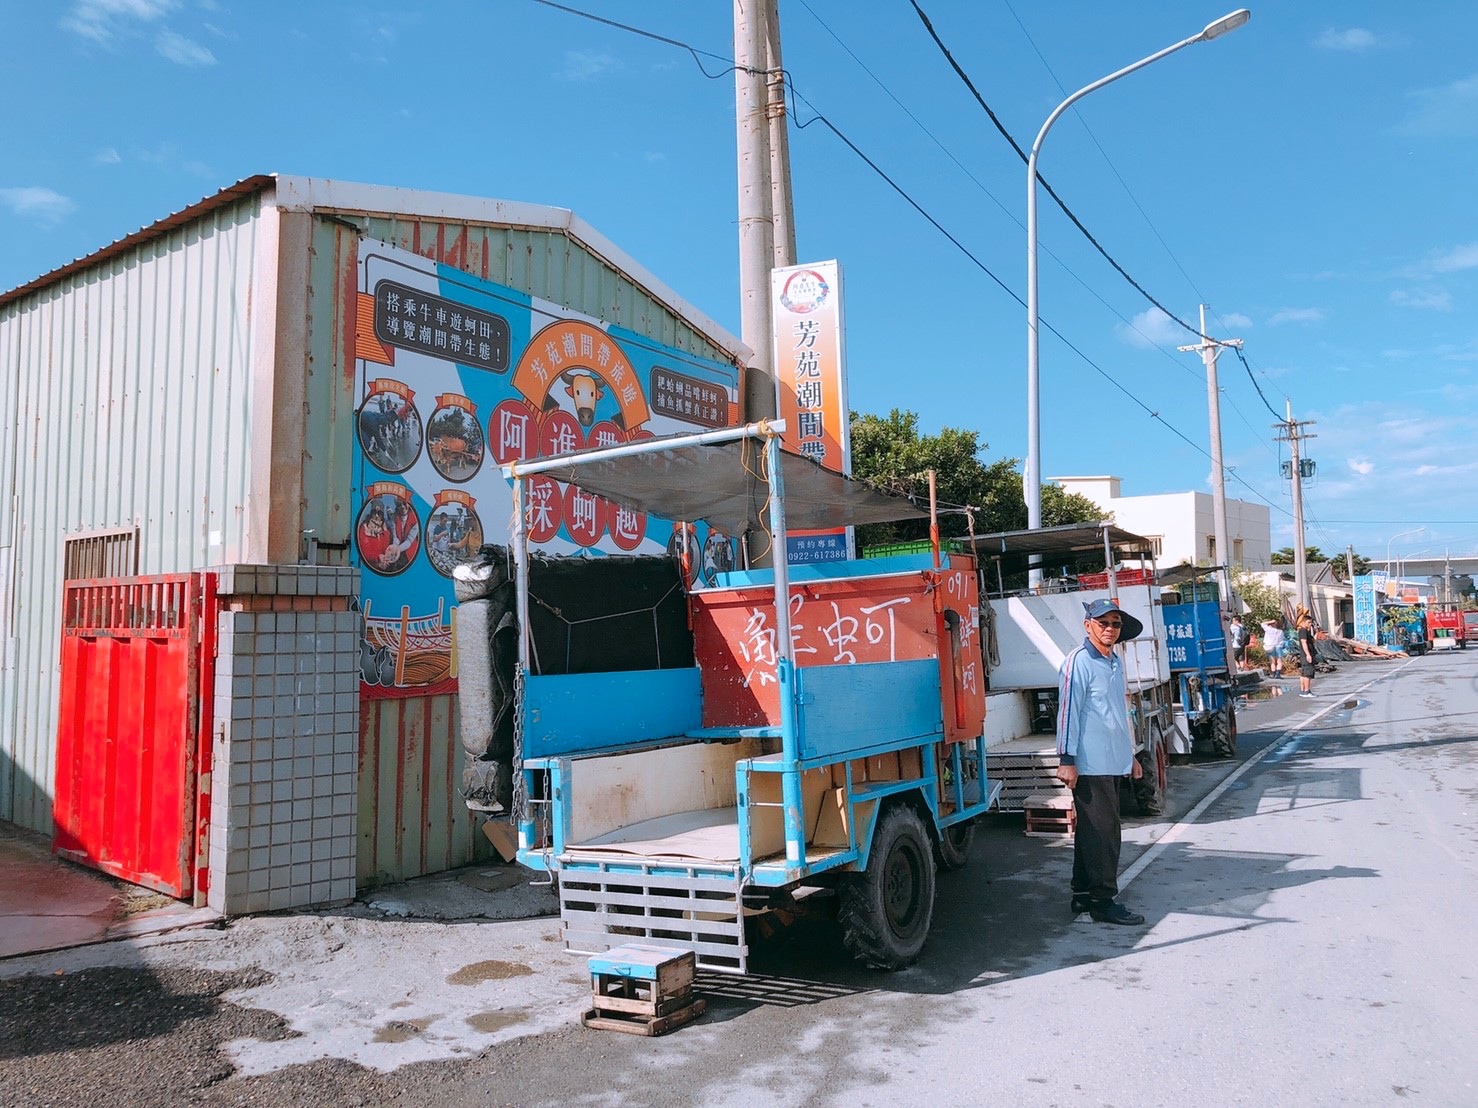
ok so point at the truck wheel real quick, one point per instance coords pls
(952, 850)
(885, 911)
(1149, 788)
(1224, 731)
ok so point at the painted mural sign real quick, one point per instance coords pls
(811, 377)
(1370, 593)
(457, 376)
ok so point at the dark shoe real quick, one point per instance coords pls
(1082, 902)
(1111, 911)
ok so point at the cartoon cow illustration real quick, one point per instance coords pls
(585, 389)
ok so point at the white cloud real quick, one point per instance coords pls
(181, 50)
(1437, 300)
(1235, 319)
(1356, 40)
(1402, 457)
(587, 65)
(100, 20)
(1151, 328)
(107, 156)
(1459, 257)
(1442, 112)
(1296, 315)
(46, 207)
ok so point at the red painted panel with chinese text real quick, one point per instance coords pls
(843, 621)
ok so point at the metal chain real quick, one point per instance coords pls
(520, 787)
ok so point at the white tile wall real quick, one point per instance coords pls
(285, 776)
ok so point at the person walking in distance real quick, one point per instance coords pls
(1306, 652)
(1272, 645)
(1095, 748)
(1237, 637)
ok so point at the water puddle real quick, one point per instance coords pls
(489, 1022)
(403, 1031)
(492, 970)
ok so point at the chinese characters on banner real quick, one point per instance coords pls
(456, 377)
(837, 622)
(811, 376)
(1194, 636)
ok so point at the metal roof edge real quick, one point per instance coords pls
(318, 193)
(244, 187)
(295, 193)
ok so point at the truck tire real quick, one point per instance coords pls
(952, 850)
(1149, 788)
(886, 910)
(1224, 731)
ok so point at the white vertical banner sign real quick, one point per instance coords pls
(811, 377)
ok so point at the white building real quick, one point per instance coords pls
(1181, 525)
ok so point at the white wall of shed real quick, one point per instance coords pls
(127, 392)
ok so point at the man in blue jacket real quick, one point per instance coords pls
(1095, 748)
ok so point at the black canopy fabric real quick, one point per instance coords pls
(724, 485)
(1057, 544)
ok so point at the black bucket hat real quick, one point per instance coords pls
(1100, 608)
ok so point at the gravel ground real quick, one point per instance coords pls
(378, 1003)
(135, 1037)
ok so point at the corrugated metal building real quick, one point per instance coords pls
(261, 380)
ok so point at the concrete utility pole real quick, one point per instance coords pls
(1292, 433)
(1210, 349)
(781, 206)
(756, 203)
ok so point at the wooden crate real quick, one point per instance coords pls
(1050, 814)
(642, 990)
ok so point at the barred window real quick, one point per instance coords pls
(101, 554)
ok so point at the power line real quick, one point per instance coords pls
(1108, 161)
(819, 117)
(1022, 154)
(693, 50)
(1178, 363)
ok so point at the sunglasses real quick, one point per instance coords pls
(1114, 623)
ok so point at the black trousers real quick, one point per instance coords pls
(1096, 841)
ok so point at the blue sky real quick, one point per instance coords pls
(1310, 177)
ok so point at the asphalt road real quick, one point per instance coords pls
(1311, 923)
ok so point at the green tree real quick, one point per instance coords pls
(1312, 554)
(889, 452)
(1340, 569)
(1284, 557)
(1263, 600)
(1061, 507)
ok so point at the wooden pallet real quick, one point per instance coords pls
(630, 1023)
(1022, 776)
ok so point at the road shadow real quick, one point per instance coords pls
(120, 1009)
(1005, 917)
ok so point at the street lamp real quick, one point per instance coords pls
(1402, 559)
(1033, 479)
(1393, 538)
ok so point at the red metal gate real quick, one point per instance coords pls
(133, 745)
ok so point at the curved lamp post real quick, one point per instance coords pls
(1033, 478)
(1393, 538)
